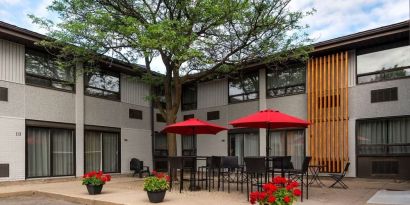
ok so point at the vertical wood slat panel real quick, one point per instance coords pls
(328, 110)
(346, 120)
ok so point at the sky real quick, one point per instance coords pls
(333, 18)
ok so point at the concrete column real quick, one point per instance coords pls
(262, 106)
(79, 121)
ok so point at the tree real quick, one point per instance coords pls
(194, 38)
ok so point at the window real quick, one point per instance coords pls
(4, 94)
(103, 84)
(386, 64)
(187, 117)
(189, 97)
(188, 145)
(44, 70)
(282, 82)
(288, 143)
(214, 115)
(50, 152)
(389, 136)
(243, 144)
(160, 144)
(244, 87)
(384, 95)
(102, 151)
(135, 114)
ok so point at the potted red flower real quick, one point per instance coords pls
(156, 186)
(278, 192)
(95, 181)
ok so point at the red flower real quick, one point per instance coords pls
(289, 187)
(269, 187)
(294, 184)
(271, 199)
(279, 180)
(297, 192)
(253, 196)
(262, 195)
(286, 199)
(168, 178)
(154, 173)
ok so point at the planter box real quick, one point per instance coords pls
(156, 197)
(93, 190)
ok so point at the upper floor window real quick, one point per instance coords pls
(189, 97)
(244, 87)
(378, 65)
(44, 70)
(103, 84)
(289, 81)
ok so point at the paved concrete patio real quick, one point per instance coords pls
(127, 190)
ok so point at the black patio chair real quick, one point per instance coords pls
(255, 171)
(277, 168)
(298, 174)
(138, 167)
(230, 165)
(339, 177)
(214, 167)
(204, 170)
(175, 164)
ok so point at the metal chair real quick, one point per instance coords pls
(298, 174)
(138, 167)
(230, 165)
(255, 168)
(175, 164)
(339, 177)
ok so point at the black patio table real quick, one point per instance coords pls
(192, 179)
(315, 170)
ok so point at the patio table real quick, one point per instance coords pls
(315, 170)
(192, 179)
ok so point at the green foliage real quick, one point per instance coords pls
(156, 183)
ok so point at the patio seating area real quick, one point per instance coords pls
(128, 190)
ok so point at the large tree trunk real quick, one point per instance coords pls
(171, 137)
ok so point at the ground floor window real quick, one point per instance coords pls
(160, 151)
(188, 145)
(288, 143)
(50, 152)
(386, 136)
(102, 151)
(243, 144)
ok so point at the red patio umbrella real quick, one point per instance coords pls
(193, 126)
(269, 119)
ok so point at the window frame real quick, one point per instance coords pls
(51, 80)
(295, 66)
(102, 148)
(103, 72)
(243, 131)
(50, 157)
(385, 145)
(193, 105)
(382, 73)
(230, 79)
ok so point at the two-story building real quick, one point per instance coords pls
(354, 90)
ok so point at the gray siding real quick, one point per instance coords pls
(295, 105)
(49, 105)
(11, 62)
(360, 106)
(102, 112)
(213, 93)
(133, 91)
(15, 106)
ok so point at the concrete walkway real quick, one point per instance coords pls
(127, 190)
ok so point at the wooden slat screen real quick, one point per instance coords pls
(327, 88)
